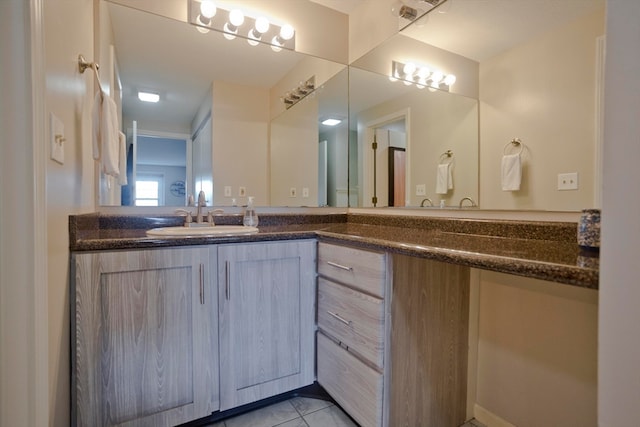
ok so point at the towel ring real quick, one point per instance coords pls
(444, 156)
(514, 142)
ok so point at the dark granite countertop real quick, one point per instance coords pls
(542, 250)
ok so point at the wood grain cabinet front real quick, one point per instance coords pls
(144, 333)
(353, 330)
(267, 319)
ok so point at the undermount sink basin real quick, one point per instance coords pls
(217, 230)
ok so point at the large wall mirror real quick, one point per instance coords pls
(220, 125)
(530, 71)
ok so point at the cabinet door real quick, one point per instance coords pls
(145, 337)
(266, 319)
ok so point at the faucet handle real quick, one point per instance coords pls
(188, 218)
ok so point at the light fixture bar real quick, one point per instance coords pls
(295, 95)
(420, 75)
(238, 23)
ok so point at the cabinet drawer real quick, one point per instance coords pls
(354, 385)
(354, 318)
(360, 269)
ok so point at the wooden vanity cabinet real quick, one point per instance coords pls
(266, 297)
(353, 330)
(144, 337)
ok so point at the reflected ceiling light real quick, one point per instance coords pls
(420, 75)
(331, 122)
(205, 16)
(148, 96)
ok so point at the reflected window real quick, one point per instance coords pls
(149, 190)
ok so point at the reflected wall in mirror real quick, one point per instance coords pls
(309, 147)
(540, 80)
(220, 94)
(418, 133)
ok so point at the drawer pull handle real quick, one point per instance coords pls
(340, 318)
(342, 267)
(201, 283)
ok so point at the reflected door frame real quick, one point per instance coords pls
(134, 132)
(366, 154)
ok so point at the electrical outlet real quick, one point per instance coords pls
(305, 192)
(242, 191)
(568, 181)
(227, 191)
(292, 192)
(421, 190)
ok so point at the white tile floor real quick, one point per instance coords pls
(299, 412)
(295, 412)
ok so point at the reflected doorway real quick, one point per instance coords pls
(158, 169)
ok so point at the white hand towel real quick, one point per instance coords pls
(106, 144)
(444, 178)
(511, 172)
(122, 161)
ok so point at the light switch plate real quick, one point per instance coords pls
(227, 191)
(57, 139)
(421, 190)
(242, 191)
(293, 192)
(305, 192)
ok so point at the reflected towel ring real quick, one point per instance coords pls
(444, 156)
(514, 142)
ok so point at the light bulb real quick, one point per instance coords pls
(229, 33)
(437, 77)
(207, 9)
(276, 46)
(262, 25)
(450, 79)
(236, 17)
(423, 73)
(409, 68)
(287, 32)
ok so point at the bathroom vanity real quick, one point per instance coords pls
(376, 310)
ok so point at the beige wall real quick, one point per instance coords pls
(619, 347)
(70, 188)
(542, 92)
(294, 155)
(240, 120)
(537, 348)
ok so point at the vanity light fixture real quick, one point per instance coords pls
(422, 76)
(295, 95)
(205, 16)
(148, 96)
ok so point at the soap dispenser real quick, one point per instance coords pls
(250, 218)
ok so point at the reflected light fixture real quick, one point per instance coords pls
(206, 16)
(422, 76)
(295, 95)
(148, 96)
(331, 122)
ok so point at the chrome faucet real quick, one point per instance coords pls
(202, 202)
(426, 200)
(473, 204)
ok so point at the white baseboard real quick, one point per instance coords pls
(489, 418)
